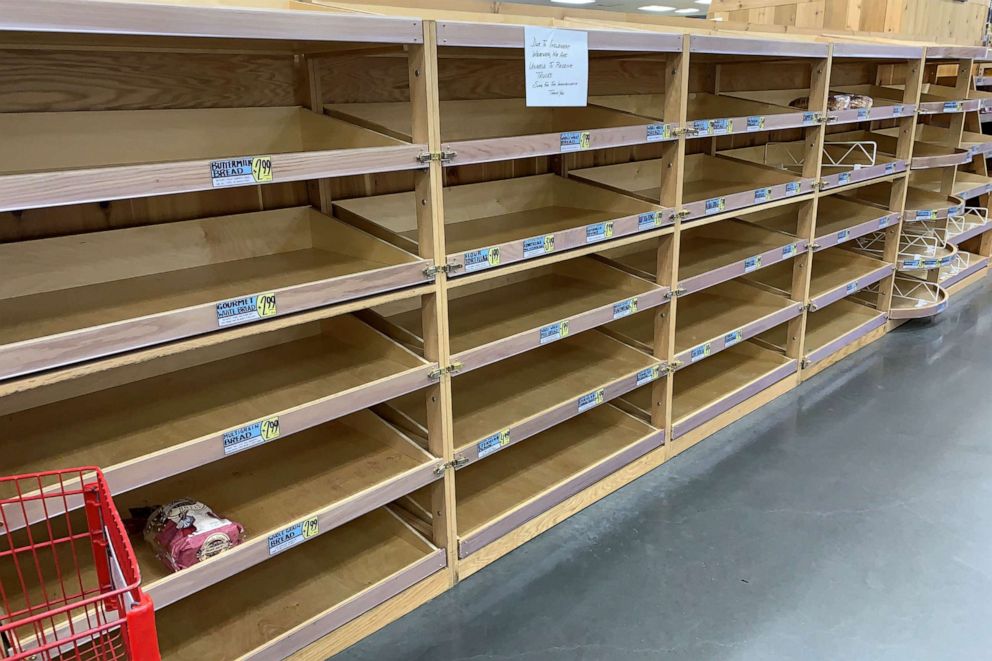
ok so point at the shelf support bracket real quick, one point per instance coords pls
(436, 374)
(443, 156)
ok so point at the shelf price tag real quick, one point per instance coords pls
(852, 287)
(599, 231)
(755, 123)
(913, 263)
(539, 245)
(722, 126)
(809, 118)
(591, 400)
(715, 205)
(792, 188)
(246, 309)
(494, 443)
(843, 236)
(883, 222)
(863, 113)
(256, 433)
(700, 352)
(843, 178)
(242, 171)
(647, 376)
(762, 195)
(625, 308)
(752, 263)
(733, 337)
(952, 106)
(890, 168)
(476, 260)
(926, 214)
(293, 536)
(702, 127)
(897, 110)
(648, 221)
(787, 252)
(658, 132)
(954, 211)
(553, 332)
(575, 141)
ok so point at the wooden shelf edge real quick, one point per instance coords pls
(850, 337)
(731, 337)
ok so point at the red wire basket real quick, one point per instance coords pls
(68, 576)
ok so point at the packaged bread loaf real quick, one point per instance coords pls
(185, 532)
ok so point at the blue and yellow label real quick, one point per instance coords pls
(752, 263)
(700, 352)
(575, 141)
(762, 195)
(722, 126)
(625, 308)
(591, 400)
(843, 178)
(733, 337)
(656, 132)
(852, 287)
(843, 235)
(647, 375)
(715, 205)
(493, 443)
(246, 309)
(599, 231)
(648, 221)
(242, 171)
(553, 332)
(756, 123)
(293, 536)
(539, 245)
(477, 260)
(792, 188)
(249, 436)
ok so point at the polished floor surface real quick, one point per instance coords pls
(849, 519)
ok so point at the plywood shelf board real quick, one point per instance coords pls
(504, 214)
(526, 394)
(335, 472)
(79, 297)
(492, 491)
(967, 185)
(838, 325)
(483, 130)
(493, 320)
(299, 595)
(725, 183)
(115, 154)
(176, 421)
(837, 220)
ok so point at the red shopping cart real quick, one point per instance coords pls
(68, 575)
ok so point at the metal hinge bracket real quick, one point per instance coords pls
(457, 463)
(681, 214)
(436, 374)
(443, 156)
(675, 365)
(432, 271)
(804, 363)
(675, 293)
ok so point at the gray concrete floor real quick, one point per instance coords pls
(849, 519)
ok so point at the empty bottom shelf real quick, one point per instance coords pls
(512, 487)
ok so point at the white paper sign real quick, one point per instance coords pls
(557, 66)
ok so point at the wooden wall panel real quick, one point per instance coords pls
(57, 80)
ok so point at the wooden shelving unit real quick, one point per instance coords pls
(330, 268)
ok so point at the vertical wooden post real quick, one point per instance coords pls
(802, 265)
(962, 85)
(309, 94)
(672, 171)
(425, 111)
(897, 195)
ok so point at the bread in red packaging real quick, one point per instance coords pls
(185, 532)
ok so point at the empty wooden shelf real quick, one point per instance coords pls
(713, 184)
(913, 298)
(492, 320)
(712, 320)
(712, 114)
(114, 154)
(963, 266)
(713, 253)
(934, 99)
(838, 220)
(512, 487)
(921, 203)
(975, 143)
(74, 298)
(202, 406)
(483, 130)
(301, 595)
(832, 328)
(967, 185)
(925, 154)
(507, 402)
(710, 387)
(883, 107)
(501, 222)
(846, 159)
(967, 225)
(836, 273)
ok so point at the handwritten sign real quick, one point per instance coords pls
(556, 63)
